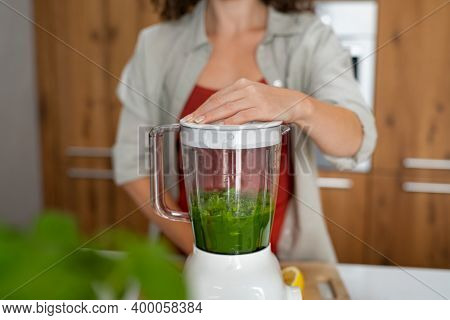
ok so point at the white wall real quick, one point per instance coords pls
(20, 181)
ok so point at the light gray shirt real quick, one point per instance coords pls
(298, 52)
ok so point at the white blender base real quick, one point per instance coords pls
(228, 277)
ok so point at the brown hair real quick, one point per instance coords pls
(174, 9)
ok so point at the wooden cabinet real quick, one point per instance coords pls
(388, 219)
(345, 202)
(410, 181)
(395, 208)
(413, 80)
(82, 47)
(409, 225)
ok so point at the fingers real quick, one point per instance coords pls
(243, 116)
(229, 94)
(225, 111)
(239, 84)
(216, 103)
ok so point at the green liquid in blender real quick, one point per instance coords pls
(227, 223)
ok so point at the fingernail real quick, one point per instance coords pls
(188, 118)
(199, 119)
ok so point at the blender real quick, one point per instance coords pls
(231, 181)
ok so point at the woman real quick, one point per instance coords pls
(236, 61)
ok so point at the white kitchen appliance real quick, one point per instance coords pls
(355, 24)
(231, 178)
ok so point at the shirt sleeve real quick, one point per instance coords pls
(129, 151)
(332, 80)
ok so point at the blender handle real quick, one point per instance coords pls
(157, 190)
(285, 129)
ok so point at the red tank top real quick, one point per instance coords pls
(285, 185)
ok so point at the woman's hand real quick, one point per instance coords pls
(336, 131)
(246, 101)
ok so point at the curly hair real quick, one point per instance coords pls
(174, 9)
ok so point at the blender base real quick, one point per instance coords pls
(252, 276)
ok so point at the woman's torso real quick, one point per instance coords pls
(292, 54)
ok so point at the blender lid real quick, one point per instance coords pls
(254, 125)
(218, 136)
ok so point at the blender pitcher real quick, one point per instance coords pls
(231, 180)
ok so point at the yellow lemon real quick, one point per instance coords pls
(292, 276)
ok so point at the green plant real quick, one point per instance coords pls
(49, 261)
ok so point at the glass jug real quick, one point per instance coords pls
(231, 180)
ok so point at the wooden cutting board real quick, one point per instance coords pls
(322, 281)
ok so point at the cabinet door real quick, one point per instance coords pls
(412, 86)
(125, 19)
(409, 222)
(78, 69)
(344, 200)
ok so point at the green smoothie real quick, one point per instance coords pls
(229, 223)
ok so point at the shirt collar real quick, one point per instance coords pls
(198, 25)
(279, 24)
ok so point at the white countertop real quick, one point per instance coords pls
(386, 282)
